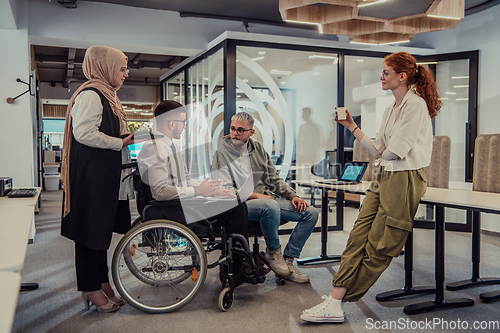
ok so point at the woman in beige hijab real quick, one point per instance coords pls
(91, 171)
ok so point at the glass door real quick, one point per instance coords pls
(456, 79)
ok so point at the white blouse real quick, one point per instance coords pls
(406, 131)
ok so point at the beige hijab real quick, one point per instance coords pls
(100, 66)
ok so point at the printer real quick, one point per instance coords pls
(5, 185)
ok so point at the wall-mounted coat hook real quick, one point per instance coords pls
(11, 100)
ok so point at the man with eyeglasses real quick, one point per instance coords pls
(272, 198)
(162, 168)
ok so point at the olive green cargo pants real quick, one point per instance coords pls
(380, 232)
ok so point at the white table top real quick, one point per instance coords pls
(15, 225)
(482, 201)
(10, 283)
(30, 201)
(464, 199)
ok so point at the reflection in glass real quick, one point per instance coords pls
(205, 104)
(290, 94)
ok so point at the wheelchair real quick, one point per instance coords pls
(160, 265)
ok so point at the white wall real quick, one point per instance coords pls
(16, 134)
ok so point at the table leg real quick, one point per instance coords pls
(475, 280)
(324, 257)
(408, 289)
(439, 302)
(29, 286)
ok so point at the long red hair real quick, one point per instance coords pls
(419, 77)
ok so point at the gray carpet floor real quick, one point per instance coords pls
(269, 307)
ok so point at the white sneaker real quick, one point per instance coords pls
(295, 275)
(276, 262)
(324, 297)
(329, 311)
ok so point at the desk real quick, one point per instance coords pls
(440, 198)
(9, 290)
(478, 202)
(15, 226)
(23, 202)
(30, 201)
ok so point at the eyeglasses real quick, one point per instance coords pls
(125, 70)
(386, 74)
(181, 121)
(239, 130)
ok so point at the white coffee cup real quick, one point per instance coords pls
(341, 113)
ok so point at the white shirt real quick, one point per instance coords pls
(406, 131)
(86, 116)
(158, 169)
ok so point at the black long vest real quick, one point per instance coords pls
(94, 187)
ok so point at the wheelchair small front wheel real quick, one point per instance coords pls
(281, 279)
(225, 299)
(159, 266)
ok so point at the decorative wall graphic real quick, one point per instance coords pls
(265, 123)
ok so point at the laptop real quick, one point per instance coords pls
(352, 174)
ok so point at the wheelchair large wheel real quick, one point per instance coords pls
(159, 266)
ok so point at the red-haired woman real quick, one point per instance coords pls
(403, 145)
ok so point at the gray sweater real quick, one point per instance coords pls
(228, 161)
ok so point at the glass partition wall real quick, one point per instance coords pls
(292, 90)
(290, 94)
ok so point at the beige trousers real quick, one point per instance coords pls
(380, 232)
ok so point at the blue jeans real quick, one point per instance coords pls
(269, 212)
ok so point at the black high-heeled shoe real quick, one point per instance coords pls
(110, 306)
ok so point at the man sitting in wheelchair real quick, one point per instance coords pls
(162, 168)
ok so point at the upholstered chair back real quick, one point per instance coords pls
(486, 175)
(360, 154)
(438, 172)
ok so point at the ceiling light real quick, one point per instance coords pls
(258, 58)
(371, 3)
(461, 99)
(398, 42)
(444, 17)
(277, 72)
(176, 93)
(320, 28)
(461, 86)
(245, 80)
(145, 113)
(262, 52)
(450, 93)
(322, 56)
(360, 60)
(351, 42)
(443, 98)
(427, 63)
(460, 77)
